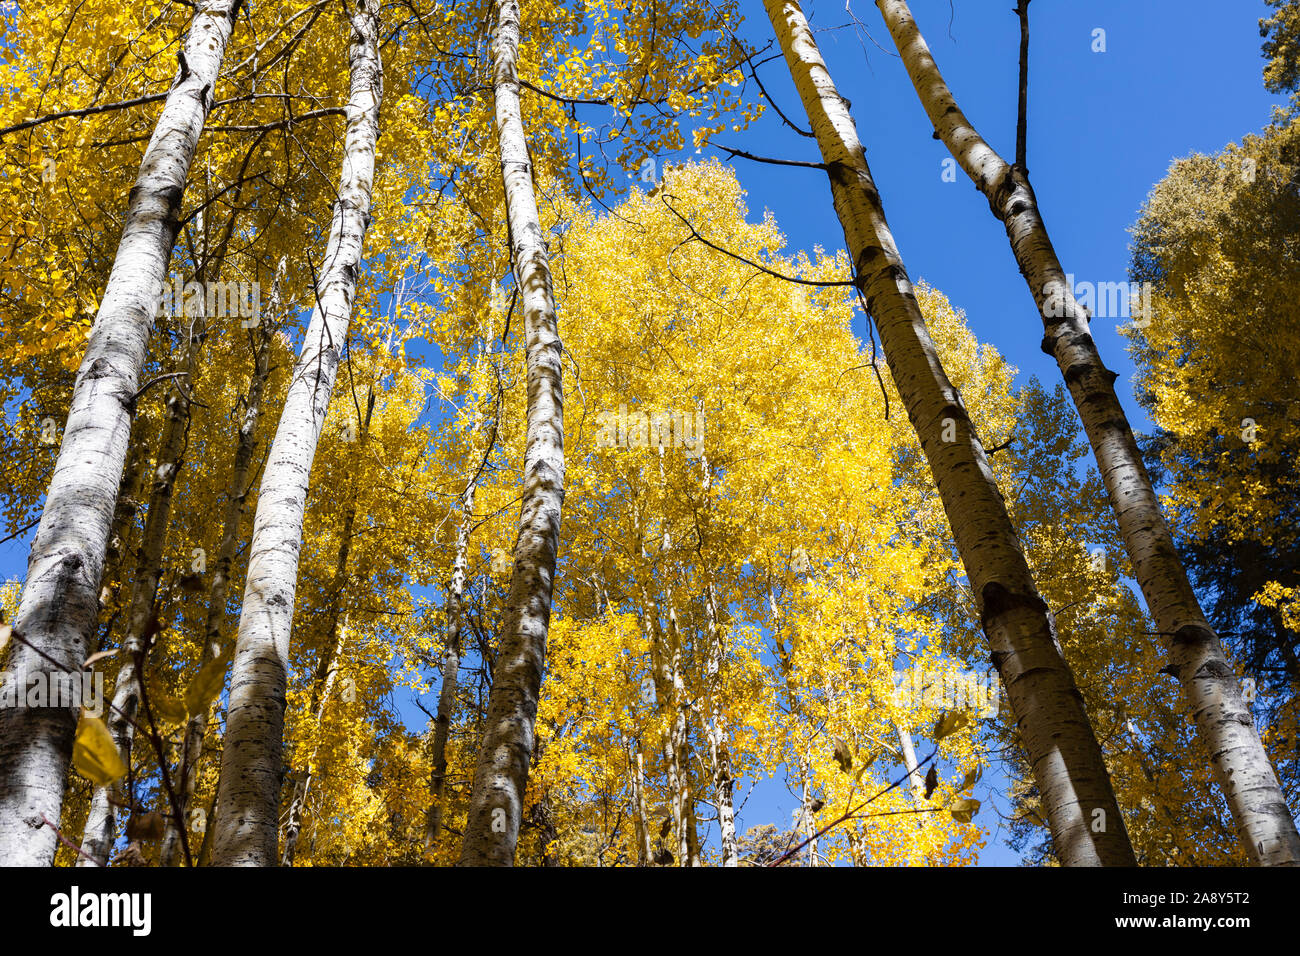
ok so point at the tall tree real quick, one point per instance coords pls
(501, 774)
(1196, 655)
(59, 607)
(1087, 828)
(248, 798)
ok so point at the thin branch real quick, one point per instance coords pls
(279, 124)
(1022, 10)
(85, 111)
(764, 159)
(853, 812)
(695, 236)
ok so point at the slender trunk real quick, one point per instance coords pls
(674, 742)
(640, 816)
(101, 820)
(236, 502)
(122, 532)
(323, 681)
(320, 696)
(501, 775)
(807, 820)
(450, 670)
(249, 796)
(715, 729)
(1264, 825)
(909, 762)
(59, 608)
(1086, 825)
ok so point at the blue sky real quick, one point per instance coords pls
(1177, 76)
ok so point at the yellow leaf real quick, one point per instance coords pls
(168, 709)
(94, 753)
(207, 683)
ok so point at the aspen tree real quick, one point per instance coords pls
(1242, 767)
(501, 772)
(455, 618)
(1086, 825)
(248, 798)
(58, 612)
(450, 669)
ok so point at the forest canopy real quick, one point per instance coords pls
(424, 445)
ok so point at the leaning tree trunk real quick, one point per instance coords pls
(101, 820)
(1085, 820)
(328, 666)
(1242, 768)
(251, 761)
(501, 774)
(58, 613)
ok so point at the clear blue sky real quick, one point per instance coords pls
(1178, 76)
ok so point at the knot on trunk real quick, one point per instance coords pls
(997, 599)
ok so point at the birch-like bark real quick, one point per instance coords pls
(715, 731)
(326, 670)
(909, 762)
(1085, 821)
(59, 608)
(455, 635)
(1264, 824)
(251, 761)
(102, 818)
(640, 815)
(501, 774)
(232, 519)
(807, 820)
(450, 669)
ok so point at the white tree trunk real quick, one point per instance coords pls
(715, 729)
(58, 612)
(501, 774)
(1086, 825)
(450, 670)
(909, 762)
(1242, 767)
(252, 758)
(640, 816)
